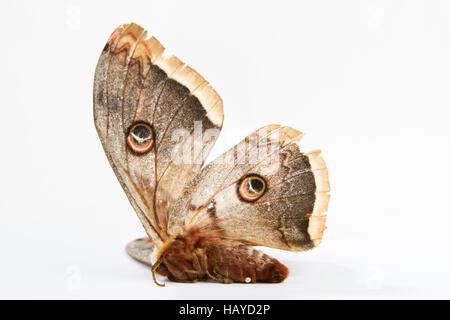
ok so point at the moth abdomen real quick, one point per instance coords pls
(231, 261)
(199, 257)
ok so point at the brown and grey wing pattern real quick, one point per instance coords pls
(141, 250)
(264, 191)
(146, 107)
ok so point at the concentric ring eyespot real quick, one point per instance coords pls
(251, 187)
(140, 137)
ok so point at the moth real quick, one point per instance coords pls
(157, 120)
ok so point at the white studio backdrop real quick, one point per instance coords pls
(367, 81)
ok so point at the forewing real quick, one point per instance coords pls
(135, 83)
(290, 215)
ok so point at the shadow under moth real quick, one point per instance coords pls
(157, 120)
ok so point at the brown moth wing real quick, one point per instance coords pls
(206, 184)
(290, 215)
(141, 250)
(134, 82)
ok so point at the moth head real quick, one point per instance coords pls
(140, 137)
(251, 187)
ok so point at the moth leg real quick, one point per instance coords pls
(174, 279)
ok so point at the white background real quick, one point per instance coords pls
(368, 81)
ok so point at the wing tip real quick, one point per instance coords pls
(174, 68)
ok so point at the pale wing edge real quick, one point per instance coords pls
(177, 70)
(317, 219)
